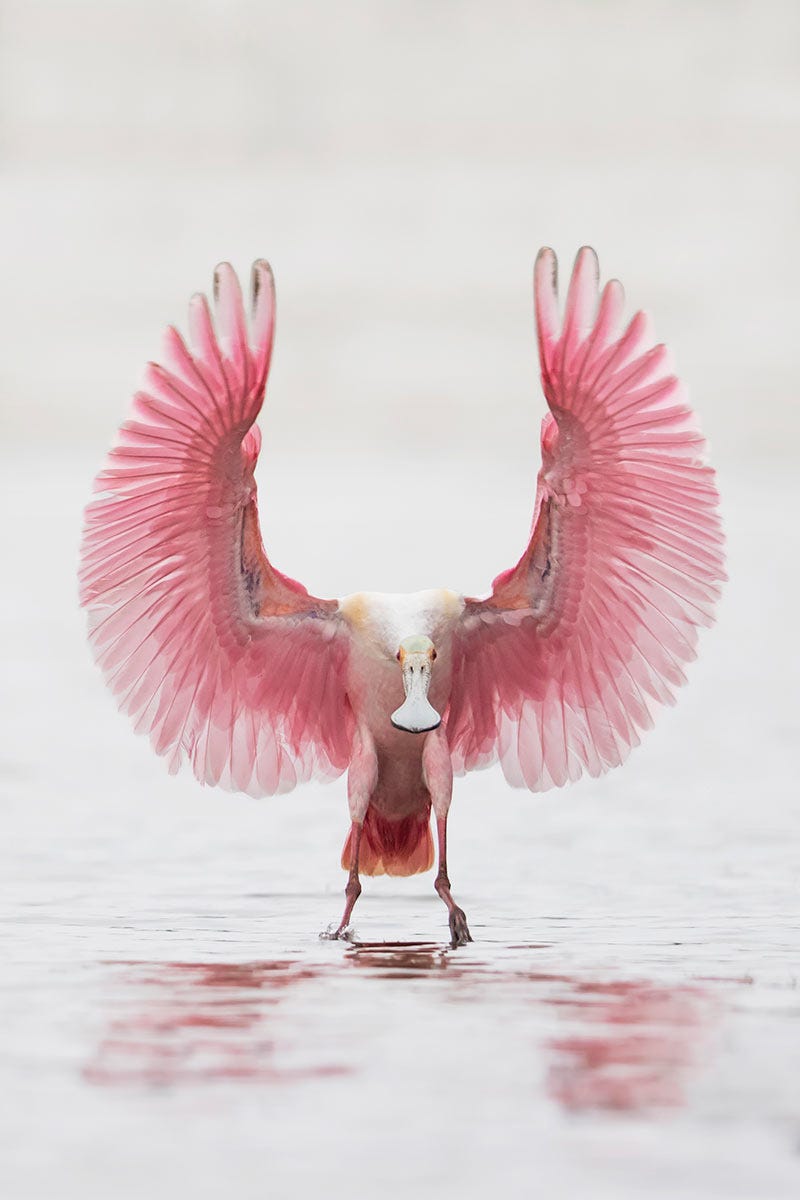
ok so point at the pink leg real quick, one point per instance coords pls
(361, 780)
(353, 889)
(459, 930)
(438, 773)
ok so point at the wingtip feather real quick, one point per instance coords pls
(262, 310)
(582, 296)
(545, 293)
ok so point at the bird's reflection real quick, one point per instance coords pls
(627, 1045)
(403, 960)
(617, 1045)
(192, 1022)
(630, 1046)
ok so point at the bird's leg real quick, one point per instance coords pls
(353, 889)
(459, 930)
(361, 780)
(438, 773)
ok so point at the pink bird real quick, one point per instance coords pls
(230, 664)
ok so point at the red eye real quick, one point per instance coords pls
(397, 656)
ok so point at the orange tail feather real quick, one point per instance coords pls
(403, 847)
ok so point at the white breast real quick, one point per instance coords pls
(379, 622)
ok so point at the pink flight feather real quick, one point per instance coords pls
(214, 654)
(560, 669)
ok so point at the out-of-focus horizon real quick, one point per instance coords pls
(400, 167)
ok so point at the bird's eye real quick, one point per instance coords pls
(397, 656)
(433, 656)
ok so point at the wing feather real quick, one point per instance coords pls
(221, 659)
(561, 668)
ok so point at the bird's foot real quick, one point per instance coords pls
(343, 934)
(459, 930)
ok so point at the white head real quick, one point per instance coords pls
(416, 657)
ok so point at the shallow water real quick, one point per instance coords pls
(626, 1022)
(622, 1053)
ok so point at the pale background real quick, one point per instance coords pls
(400, 165)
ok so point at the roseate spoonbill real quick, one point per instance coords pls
(230, 664)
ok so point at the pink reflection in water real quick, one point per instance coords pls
(405, 960)
(634, 1045)
(626, 1046)
(634, 1048)
(201, 1022)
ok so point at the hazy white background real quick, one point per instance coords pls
(400, 165)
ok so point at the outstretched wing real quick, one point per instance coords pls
(560, 669)
(211, 651)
